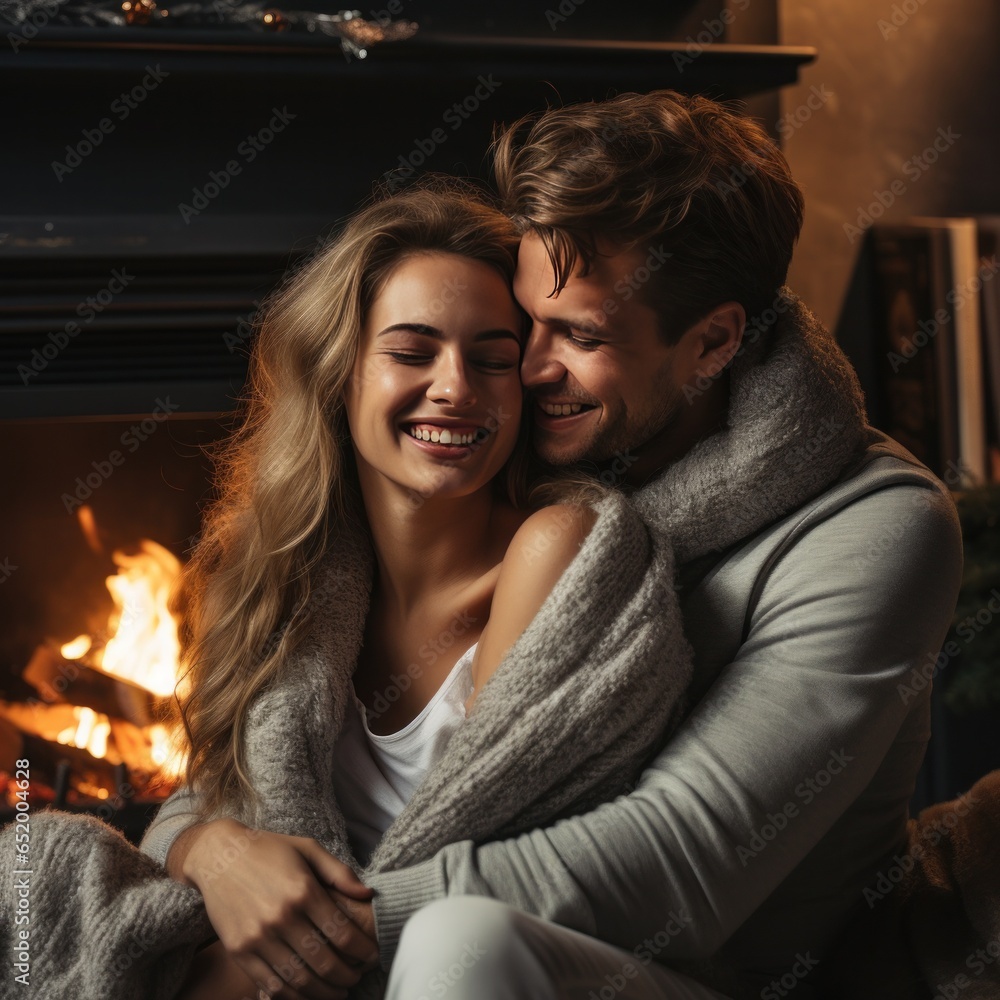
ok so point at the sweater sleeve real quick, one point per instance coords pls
(174, 816)
(849, 615)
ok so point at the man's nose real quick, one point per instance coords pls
(540, 365)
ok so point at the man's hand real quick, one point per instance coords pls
(296, 920)
(360, 911)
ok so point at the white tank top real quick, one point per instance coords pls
(375, 775)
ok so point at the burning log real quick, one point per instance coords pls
(96, 710)
(92, 774)
(61, 680)
(143, 750)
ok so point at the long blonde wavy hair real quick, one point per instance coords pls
(285, 478)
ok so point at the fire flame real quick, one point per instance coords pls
(75, 648)
(90, 733)
(143, 647)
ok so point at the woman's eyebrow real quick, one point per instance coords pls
(433, 331)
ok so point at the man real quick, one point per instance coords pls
(657, 233)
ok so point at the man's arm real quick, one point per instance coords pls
(848, 615)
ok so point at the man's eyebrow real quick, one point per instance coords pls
(433, 331)
(581, 324)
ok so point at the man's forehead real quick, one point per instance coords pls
(613, 262)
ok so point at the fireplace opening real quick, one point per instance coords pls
(123, 354)
(106, 512)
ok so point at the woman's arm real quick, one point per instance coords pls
(538, 554)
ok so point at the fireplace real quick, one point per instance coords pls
(134, 254)
(124, 355)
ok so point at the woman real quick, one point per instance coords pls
(385, 402)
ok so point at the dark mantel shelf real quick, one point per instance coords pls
(736, 70)
(168, 185)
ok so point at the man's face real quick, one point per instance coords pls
(601, 379)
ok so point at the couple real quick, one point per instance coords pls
(546, 633)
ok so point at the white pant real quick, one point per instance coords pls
(476, 948)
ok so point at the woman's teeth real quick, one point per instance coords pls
(561, 409)
(441, 437)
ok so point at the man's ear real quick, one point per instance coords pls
(720, 335)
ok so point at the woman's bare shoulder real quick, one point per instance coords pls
(551, 535)
(538, 554)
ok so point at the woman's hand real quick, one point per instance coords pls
(296, 920)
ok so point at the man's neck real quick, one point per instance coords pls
(704, 416)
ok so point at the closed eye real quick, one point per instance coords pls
(584, 343)
(497, 366)
(408, 359)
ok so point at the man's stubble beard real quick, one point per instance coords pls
(621, 437)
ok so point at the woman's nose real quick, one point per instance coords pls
(451, 383)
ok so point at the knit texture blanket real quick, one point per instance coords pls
(591, 689)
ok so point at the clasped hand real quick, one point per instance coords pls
(295, 919)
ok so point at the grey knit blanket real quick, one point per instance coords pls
(593, 687)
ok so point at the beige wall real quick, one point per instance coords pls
(885, 100)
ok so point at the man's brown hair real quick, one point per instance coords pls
(685, 177)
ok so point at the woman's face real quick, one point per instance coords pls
(434, 402)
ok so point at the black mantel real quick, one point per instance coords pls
(344, 124)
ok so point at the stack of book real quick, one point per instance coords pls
(938, 363)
